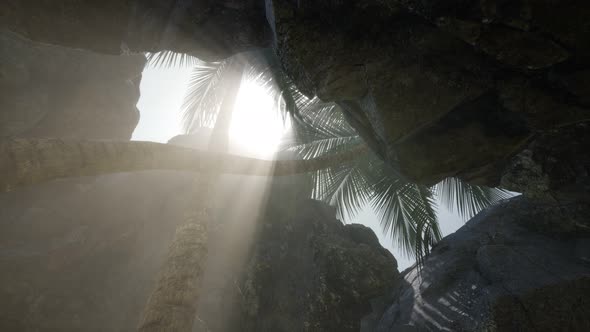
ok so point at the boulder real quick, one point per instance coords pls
(508, 269)
(441, 88)
(310, 272)
(208, 29)
(52, 91)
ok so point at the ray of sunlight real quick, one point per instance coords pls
(255, 131)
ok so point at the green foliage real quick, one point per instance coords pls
(407, 211)
(466, 199)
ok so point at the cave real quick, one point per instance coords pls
(394, 106)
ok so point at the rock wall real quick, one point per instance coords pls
(441, 88)
(208, 29)
(554, 167)
(437, 88)
(51, 91)
(54, 241)
(83, 254)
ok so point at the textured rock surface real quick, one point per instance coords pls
(49, 91)
(508, 269)
(554, 167)
(311, 273)
(75, 259)
(437, 88)
(519, 266)
(441, 88)
(208, 29)
(82, 254)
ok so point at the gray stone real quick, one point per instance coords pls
(553, 167)
(498, 274)
(51, 91)
(448, 85)
(210, 30)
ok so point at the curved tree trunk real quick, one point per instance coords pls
(26, 161)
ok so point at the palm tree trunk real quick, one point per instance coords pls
(27, 161)
(173, 303)
(219, 140)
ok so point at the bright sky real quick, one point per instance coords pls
(255, 124)
(162, 91)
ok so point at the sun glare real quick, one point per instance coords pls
(256, 125)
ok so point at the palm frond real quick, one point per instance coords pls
(320, 120)
(204, 95)
(466, 199)
(346, 186)
(427, 227)
(320, 132)
(406, 211)
(169, 59)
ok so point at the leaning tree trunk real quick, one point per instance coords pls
(27, 161)
(173, 303)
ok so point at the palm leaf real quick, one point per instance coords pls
(346, 186)
(204, 95)
(205, 91)
(427, 229)
(169, 59)
(320, 132)
(406, 211)
(466, 199)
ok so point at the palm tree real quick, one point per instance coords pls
(210, 100)
(173, 302)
